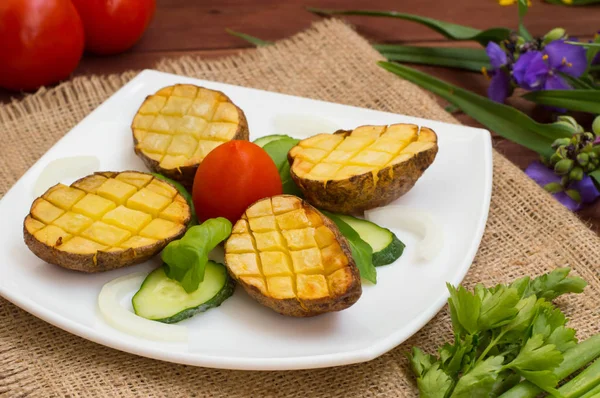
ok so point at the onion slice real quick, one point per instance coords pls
(416, 221)
(302, 125)
(64, 168)
(109, 301)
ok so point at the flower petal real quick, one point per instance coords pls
(496, 54)
(556, 82)
(530, 70)
(567, 201)
(587, 189)
(566, 58)
(541, 174)
(499, 87)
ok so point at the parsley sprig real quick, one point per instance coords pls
(503, 335)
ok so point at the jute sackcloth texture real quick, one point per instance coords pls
(527, 233)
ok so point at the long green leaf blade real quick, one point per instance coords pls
(523, 8)
(574, 100)
(582, 44)
(251, 39)
(578, 83)
(450, 30)
(502, 119)
(462, 58)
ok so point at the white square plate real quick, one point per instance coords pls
(241, 334)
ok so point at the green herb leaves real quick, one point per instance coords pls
(186, 258)
(278, 150)
(501, 334)
(450, 30)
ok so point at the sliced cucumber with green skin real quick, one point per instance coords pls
(164, 300)
(262, 141)
(386, 246)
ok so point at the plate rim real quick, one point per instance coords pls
(373, 351)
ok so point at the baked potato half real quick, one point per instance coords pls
(178, 126)
(353, 171)
(291, 258)
(106, 220)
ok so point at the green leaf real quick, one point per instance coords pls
(555, 283)
(574, 100)
(579, 83)
(592, 51)
(502, 119)
(550, 323)
(185, 259)
(526, 311)
(480, 380)
(583, 44)
(420, 362)
(362, 253)
(462, 58)
(183, 192)
(498, 308)
(435, 384)
(449, 30)
(466, 306)
(536, 361)
(595, 175)
(523, 8)
(251, 39)
(278, 151)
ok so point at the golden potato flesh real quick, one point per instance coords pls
(178, 126)
(370, 166)
(105, 220)
(291, 258)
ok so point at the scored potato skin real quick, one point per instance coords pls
(361, 192)
(101, 261)
(308, 308)
(185, 174)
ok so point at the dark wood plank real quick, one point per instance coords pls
(203, 23)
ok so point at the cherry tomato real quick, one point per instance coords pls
(232, 177)
(113, 26)
(41, 42)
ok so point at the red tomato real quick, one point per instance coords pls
(41, 42)
(113, 26)
(232, 177)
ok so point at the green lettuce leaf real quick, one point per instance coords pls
(185, 259)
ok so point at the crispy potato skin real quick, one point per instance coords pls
(308, 308)
(361, 192)
(90, 263)
(101, 261)
(185, 175)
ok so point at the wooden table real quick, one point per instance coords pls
(192, 27)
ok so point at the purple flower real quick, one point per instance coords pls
(499, 87)
(544, 176)
(538, 70)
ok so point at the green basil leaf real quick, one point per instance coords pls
(251, 39)
(462, 58)
(186, 195)
(523, 8)
(450, 30)
(362, 253)
(278, 151)
(502, 119)
(574, 100)
(185, 259)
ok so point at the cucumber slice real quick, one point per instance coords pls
(262, 141)
(386, 246)
(163, 299)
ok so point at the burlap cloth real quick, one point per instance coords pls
(527, 233)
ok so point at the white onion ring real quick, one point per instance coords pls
(416, 221)
(117, 316)
(63, 168)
